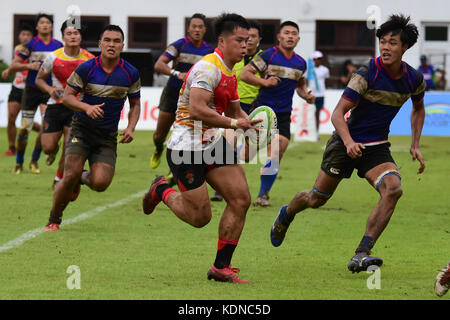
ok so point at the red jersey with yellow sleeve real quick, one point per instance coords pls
(210, 74)
(60, 66)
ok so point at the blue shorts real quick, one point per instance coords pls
(319, 102)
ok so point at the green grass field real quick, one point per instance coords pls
(124, 254)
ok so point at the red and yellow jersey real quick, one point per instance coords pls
(21, 76)
(61, 66)
(210, 74)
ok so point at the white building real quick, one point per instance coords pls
(432, 17)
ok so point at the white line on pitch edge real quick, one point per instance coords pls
(83, 216)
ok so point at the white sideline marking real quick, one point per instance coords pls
(83, 216)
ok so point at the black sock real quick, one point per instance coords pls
(225, 250)
(160, 189)
(159, 146)
(365, 245)
(54, 218)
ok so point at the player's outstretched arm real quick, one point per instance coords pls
(338, 120)
(417, 120)
(71, 101)
(133, 117)
(18, 65)
(303, 92)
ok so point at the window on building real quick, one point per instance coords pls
(436, 33)
(92, 27)
(147, 32)
(344, 40)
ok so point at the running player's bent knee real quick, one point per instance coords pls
(319, 198)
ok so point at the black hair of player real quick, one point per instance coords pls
(64, 27)
(113, 27)
(44, 15)
(400, 24)
(254, 24)
(197, 16)
(290, 24)
(228, 22)
(26, 27)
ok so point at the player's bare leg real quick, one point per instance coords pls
(64, 190)
(231, 182)
(385, 178)
(50, 145)
(99, 177)
(323, 189)
(165, 121)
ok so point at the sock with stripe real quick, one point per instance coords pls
(164, 191)
(268, 175)
(36, 154)
(225, 250)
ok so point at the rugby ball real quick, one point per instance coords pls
(267, 126)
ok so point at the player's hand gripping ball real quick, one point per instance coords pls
(267, 126)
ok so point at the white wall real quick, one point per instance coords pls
(305, 12)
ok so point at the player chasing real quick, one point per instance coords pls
(35, 51)
(59, 65)
(105, 83)
(16, 93)
(375, 94)
(198, 154)
(282, 72)
(183, 53)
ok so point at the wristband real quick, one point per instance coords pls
(233, 124)
(174, 73)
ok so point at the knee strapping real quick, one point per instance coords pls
(27, 120)
(380, 178)
(321, 194)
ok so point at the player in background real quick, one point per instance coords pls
(247, 92)
(198, 154)
(35, 51)
(317, 85)
(375, 94)
(283, 74)
(105, 82)
(15, 96)
(183, 54)
(59, 65)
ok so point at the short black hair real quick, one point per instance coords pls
(291, 24)
(400, 24)
(197, 16)
(228, 22)
(26, 27)
(64, 27)
(113, 27)
(254, 24)
(43, 15)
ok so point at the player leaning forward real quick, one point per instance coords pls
(198, 154)
(104, 82)
(375, 94)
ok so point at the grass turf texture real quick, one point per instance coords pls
(124, 254)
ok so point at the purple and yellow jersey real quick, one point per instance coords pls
(378, 97)
(36, 50)
(273, 62)
(98, 86)
(185, 54)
